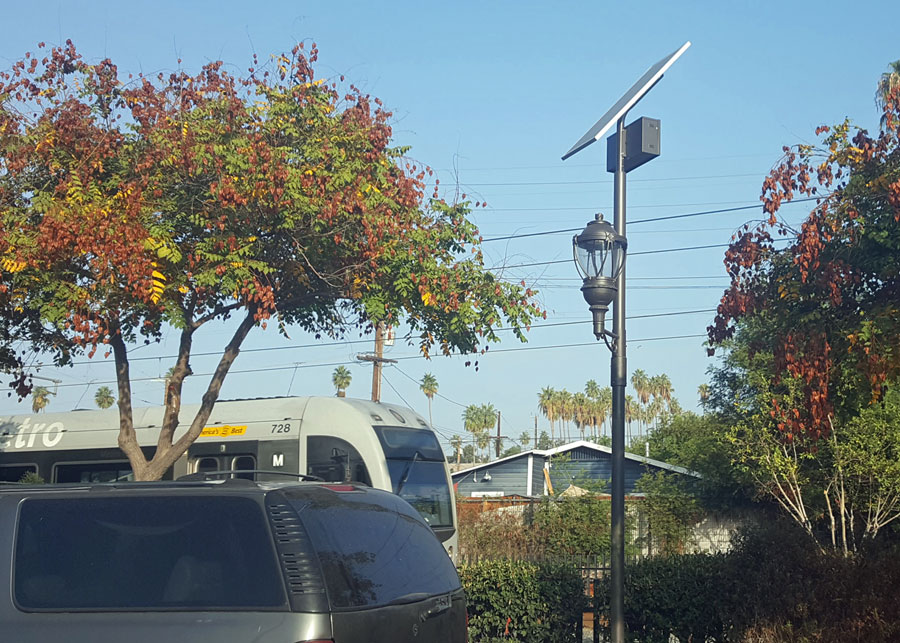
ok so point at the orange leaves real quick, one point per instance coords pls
(815, 297)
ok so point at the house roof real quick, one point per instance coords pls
(571, 446)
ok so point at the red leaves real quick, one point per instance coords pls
(815, 293)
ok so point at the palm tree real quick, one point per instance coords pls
(488, 421)
(641, 385)
(341, 379)
(457, 443)
(525, 439)
(888, 84)
(547, 405)
(604, 406)
(632, 408)
(429, 386)
(477, 419)
(40, 398)
(103, 398)
(580, 411)
(661, 386)
(564, 410)
(592, 389)
(703, 392)
(655, 410)
(642, 388)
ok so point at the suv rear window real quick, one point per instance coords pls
(148, 553)
(373, 555)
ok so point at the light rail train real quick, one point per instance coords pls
(338, 439)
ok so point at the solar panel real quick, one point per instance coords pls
(628, 100)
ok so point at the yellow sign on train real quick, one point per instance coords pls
(224, 431)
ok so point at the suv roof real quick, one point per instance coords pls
(342, 560)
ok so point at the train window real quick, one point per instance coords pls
(244, 463)
(14, 472)
(118, 471)
(399, 442)
(210, 463)
(335, 460)
(204, 465)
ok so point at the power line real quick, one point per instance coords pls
(609, 182)
(350, 342)
(567, 166)
(444, 397)
(660, 287)
(630, 254)
(270, 369)
(394, 389)
(583, 344)
(629, 279)
(638, 221)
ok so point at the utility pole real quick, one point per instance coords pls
(497, 444)
(377, 360)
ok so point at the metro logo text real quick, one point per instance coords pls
(28, 435)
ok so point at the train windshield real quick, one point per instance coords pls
(423, 484)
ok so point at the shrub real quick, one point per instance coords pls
(772, 588)
(519, 601)
(686, 596)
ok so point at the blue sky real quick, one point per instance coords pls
(491, 94)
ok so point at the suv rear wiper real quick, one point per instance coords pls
(439, 604)
(210, 475)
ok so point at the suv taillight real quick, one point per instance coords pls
(340, 487)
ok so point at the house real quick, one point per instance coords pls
(513, 482)
(538, 472)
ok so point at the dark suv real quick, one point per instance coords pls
(233, 561)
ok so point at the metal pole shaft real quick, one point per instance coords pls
(618, 379)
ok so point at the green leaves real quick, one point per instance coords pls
(519, 601)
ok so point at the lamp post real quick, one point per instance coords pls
(600, 256)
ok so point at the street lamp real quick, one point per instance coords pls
(599, 256)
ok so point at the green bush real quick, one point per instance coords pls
(519, 601)
(773, 588)
(687, 596)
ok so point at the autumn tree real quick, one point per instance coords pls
(811, 331)
(829, 299)
(133, 205)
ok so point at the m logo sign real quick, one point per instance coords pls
(278, 460)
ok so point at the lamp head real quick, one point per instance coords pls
(599, 257)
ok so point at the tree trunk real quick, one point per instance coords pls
(167, 451)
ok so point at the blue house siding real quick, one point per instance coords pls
(581, 464)
(509, 477)
(595, 474)
(537, 475)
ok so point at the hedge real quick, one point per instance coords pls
(522, 602)
(773, 588)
